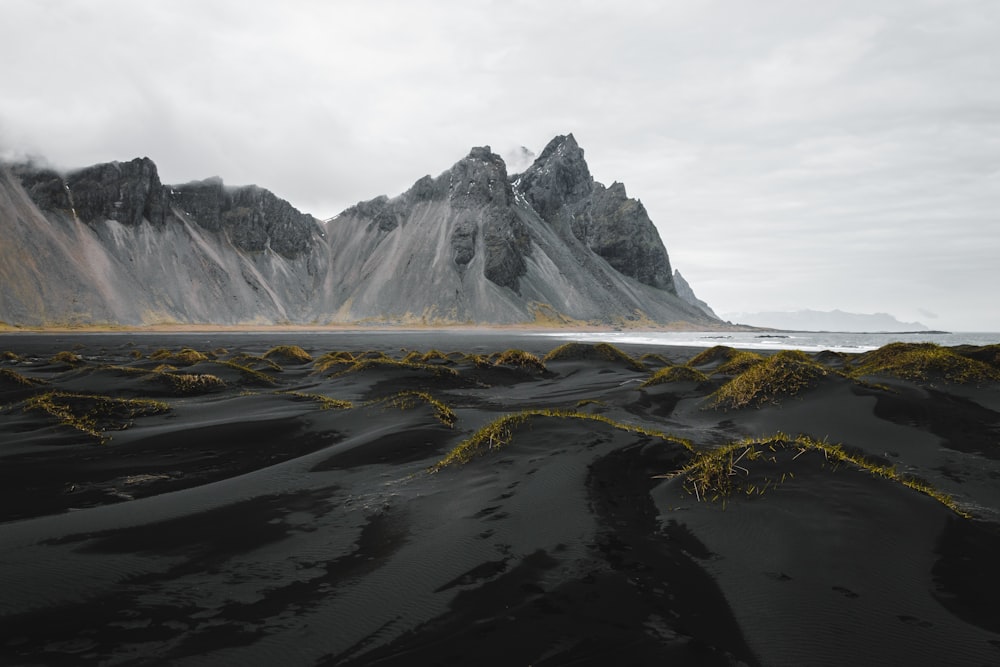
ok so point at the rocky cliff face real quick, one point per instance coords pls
(618, 229)
(110, 243)
(685, 292)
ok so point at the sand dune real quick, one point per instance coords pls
(420, 498)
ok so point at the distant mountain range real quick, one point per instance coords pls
(110, 244)
(835, 320)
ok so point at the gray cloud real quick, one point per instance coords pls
(794, 155)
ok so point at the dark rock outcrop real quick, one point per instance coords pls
(252, 217)
(128, 192)
(46, 187)
(479, 185)
(618, 229)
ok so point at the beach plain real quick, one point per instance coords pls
(459, 497)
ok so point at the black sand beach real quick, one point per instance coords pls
(196, 499)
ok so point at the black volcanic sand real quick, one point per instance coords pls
(241, 523)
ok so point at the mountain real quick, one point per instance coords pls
(111, 244)
(685, 292)
(835, 320)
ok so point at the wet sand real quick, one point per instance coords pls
(293, 512)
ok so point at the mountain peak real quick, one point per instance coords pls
(558, 177)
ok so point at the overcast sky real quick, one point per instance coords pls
(792, 154)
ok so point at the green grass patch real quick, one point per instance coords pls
(499, 433)
(289, 354)
(91, 414)
(598, 352)
(784, 374)
(925, 362)
(721, 473)
(675, 374)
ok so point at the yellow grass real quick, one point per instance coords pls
(720, 473)
(499, 433)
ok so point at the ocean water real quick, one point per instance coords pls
(805, 341)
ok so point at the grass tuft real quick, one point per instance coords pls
(289, 354)
(431, 356)
(389, 363)
(598, 352)
(723, 472)
(255, 362)
(91, 414)
(248, 373)
(499, 433)
(66, 357)
(738, 362)
(923, 362)
(784, 374)
(192, 383)
(712, 355)
(325, 402)
(675, 374)
(333, 360)
(11, 377)
(183, 357)
(409, 399)
(520, 359)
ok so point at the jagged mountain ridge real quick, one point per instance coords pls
(111, 244)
